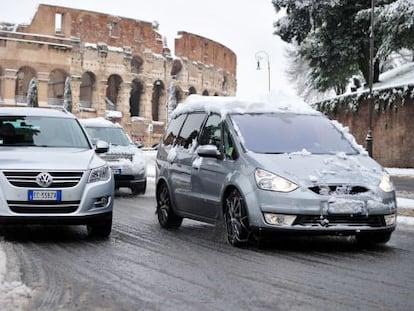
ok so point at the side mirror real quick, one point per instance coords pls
(101, 146)
(208, 151)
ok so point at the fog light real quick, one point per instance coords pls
(279, 219)
(102, 201)
(390, 219)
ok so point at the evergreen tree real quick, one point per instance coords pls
(32, 98)
(333, 36)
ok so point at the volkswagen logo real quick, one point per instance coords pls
(44, 179)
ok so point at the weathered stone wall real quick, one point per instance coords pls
(104, 46)
(392, 122)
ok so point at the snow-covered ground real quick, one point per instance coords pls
(16, 294)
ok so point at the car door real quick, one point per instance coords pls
(208, 174)
(166, 155)
(185, 145)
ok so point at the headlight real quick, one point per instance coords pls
(268, 181)
(99, 174)
(386, 183)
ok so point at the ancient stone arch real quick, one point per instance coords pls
(87, 89)
(137, 88)
(56, 86)
(179, 94)
(205, 93)
(192, 90)
(23, 77)
(136, 64)
(113, 91)
(158, 97)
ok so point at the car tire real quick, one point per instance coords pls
(100, 230)
(139, 188)
(167, 218)
(235, 219)
(373, 238)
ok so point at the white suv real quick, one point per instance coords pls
(51, 173)
(126, 160)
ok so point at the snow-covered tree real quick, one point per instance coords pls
(299, 73)
(171, 100)
(67, 95)
(32, 98)
(333, 36)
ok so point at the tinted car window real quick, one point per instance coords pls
(190, 129)
(41, 131)
(172, 130)
(285, 133)
(229, 150)
(211, 133)
(112, 135)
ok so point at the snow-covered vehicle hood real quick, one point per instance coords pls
(35, 158)
(312, 169)
(116, 149)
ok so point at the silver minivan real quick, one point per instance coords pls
(50, 172)
(269, 166)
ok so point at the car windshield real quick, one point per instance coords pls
(112, 135)
(287, 133)
(41, 131)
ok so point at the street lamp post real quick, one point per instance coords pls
(262, 55)
(369, 138)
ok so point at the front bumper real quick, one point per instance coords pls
(80, 204)
(312, 214)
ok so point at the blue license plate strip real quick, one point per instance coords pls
(44, 195)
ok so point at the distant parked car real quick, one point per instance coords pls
(50, 172)
(272, 166)
(126, 160)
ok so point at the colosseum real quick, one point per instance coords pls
(114, 67)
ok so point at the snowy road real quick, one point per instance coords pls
(142, 267)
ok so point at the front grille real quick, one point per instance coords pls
(337, 189)
(340, 220)
(27, 179)
(43, 207)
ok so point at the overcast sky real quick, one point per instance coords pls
(244, 26)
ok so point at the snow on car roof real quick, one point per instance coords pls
(274, 102)
(98, 122)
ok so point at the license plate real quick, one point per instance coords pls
(351, 207)
(45, 195)
(116, 171)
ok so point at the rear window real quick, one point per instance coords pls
(286, 133)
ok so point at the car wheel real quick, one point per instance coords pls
(236, 219)
(101, 229)
(139, 188)
(166, 216)
(373, 238)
